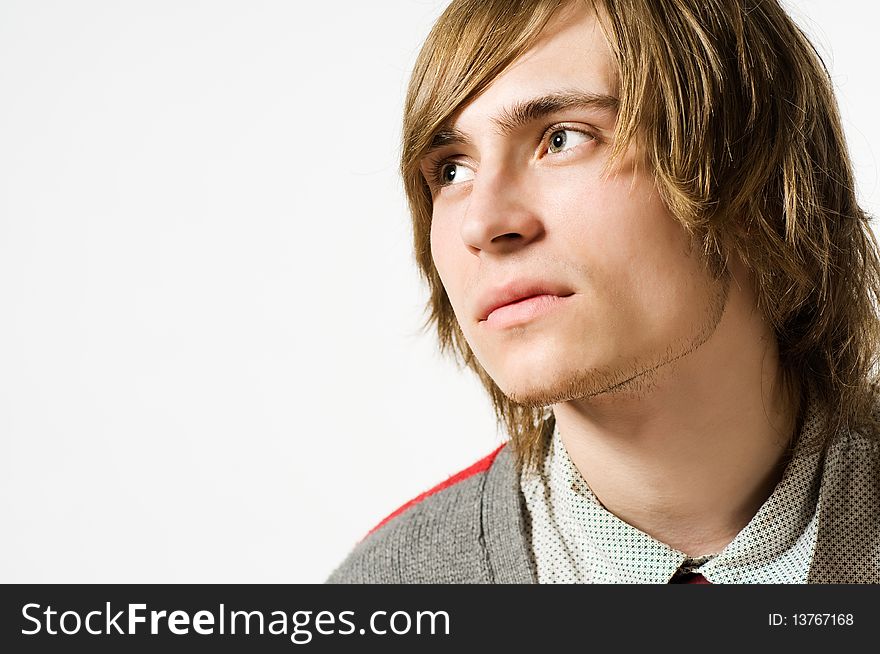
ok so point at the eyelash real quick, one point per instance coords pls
(435, 169)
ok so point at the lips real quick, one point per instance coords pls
(518, 291)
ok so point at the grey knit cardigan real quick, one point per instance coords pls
(472, 531)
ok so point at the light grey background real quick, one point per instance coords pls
(211, 367)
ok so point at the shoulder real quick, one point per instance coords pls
(852, 462)
(851, 472)
(433, 538)
(848, 533)
(851, 447)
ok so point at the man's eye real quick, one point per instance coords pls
(565, 139)
(451, 173)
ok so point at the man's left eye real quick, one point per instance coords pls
(565, 139)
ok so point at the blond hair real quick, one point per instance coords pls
(736, 115)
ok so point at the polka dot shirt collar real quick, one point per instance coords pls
(574, 539)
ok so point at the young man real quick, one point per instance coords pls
(638, 224)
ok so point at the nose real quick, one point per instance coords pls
(501, 216)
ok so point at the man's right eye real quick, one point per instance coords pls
(448, 173)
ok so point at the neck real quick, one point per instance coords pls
(691, 456)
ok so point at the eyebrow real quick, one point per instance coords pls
(525, 112)
(520, 114)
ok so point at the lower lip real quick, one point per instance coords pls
(523, 311)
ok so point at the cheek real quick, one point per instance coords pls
(446, 251)
(615, 228)
(439, 248)
(636, 256)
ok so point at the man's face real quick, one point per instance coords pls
(522, 208)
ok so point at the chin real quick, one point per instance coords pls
(539, 388)
(553, 385)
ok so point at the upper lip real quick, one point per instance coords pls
(515, 291)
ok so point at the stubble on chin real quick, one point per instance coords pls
(637, 377)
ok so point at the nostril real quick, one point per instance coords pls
(507, 237)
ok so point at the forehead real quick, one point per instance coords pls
(571, 54)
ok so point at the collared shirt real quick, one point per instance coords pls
(574, 539)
